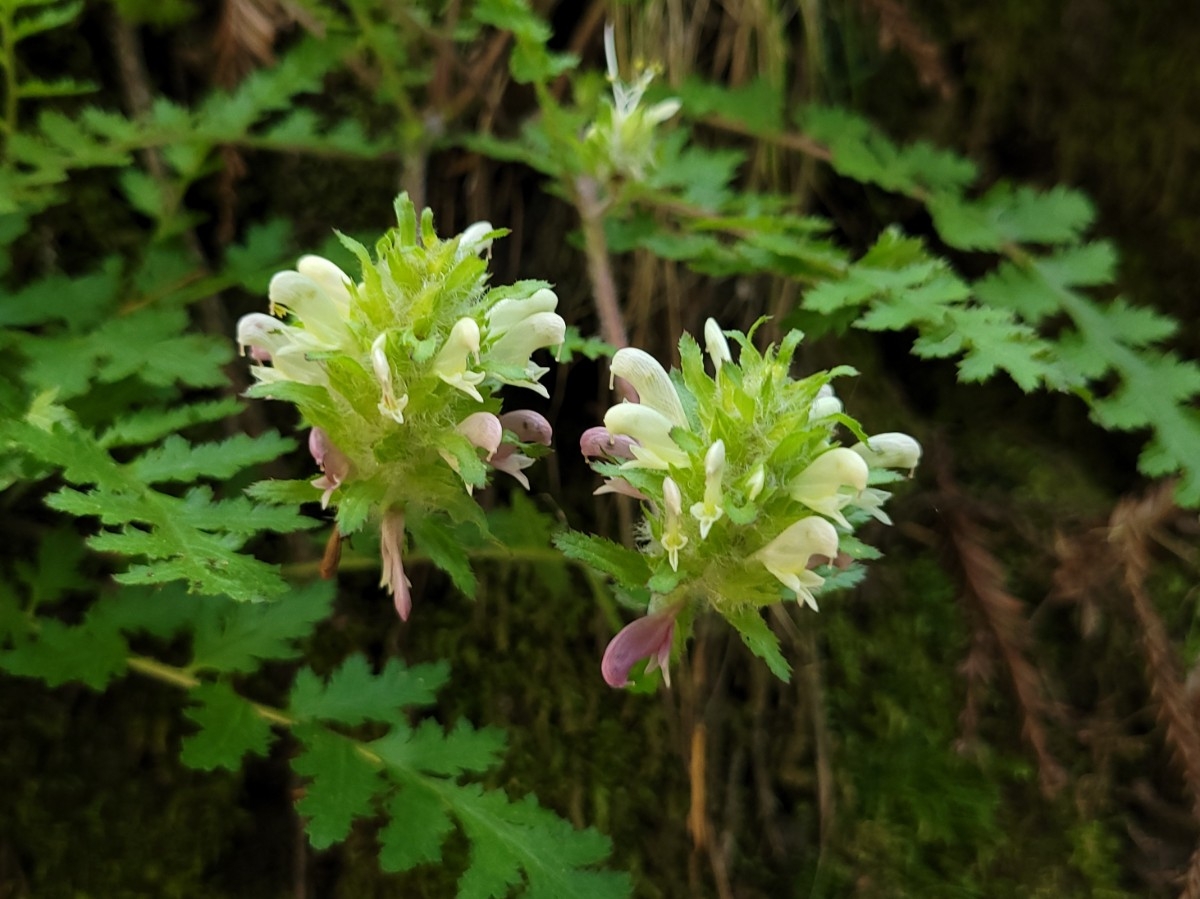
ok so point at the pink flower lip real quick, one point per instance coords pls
(529, 426)
(599, 442)
(332, 461)
(650, 638)
(391, 551)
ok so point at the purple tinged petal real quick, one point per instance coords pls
(529, 426)
(331, 460)
(508, 460)
(646, 638)
(621, 486)
(601, 442)
(484, 430)
(391, 551)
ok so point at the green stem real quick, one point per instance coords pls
(8, 63)
(184, 679)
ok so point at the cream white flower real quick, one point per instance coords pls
(473, 240)
(389, 405)
(825, 405)
(332, 280)
(787, 556)
(822, 485)
(520, 337)
(284, 346)
(755, 481)
(716, 344)
(651, 381)
(673, 538)
(652, 431)
(454, 358)
(890, 450)
(710, 510)
(324, 319)
(507, 314)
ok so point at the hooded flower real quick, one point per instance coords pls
(646, 638)
(390, 405)
(331, 460)
(528, 427)
(710, 510)
(650, 380)
(598, 443)
(391, 549)
(787, 556)
(673, 538)
(715, 344)
(452, 363)
(890, 450)
(474, 240)
(284, 346)
(651, 432)
(822, 486)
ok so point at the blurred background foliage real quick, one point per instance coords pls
(1002, 709)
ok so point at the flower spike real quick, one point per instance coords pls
(421, 340)
(750, 458)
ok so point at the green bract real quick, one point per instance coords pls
(396, 374)
(745, 488)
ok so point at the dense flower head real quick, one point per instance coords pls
(748, 493)
(397, 373)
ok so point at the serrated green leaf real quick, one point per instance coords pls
(445, 546)
(418, 825)
(342, 783)
(354, 693)
(553, 855)
(628, 566)
(175, 459)
(429, 749)
(144, 426)
(229, 729)
(760, 640)
(92, 653)
(239, 636)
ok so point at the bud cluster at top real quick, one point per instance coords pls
(396, 373)
(623, 141)
(745, 487)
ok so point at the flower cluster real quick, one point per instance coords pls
(747, 494)
(396, 374)
(622, 140)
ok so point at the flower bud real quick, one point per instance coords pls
(716, 344)
(891, 450)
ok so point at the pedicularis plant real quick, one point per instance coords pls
(396, 374)
(751, 479)
(745, 488)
